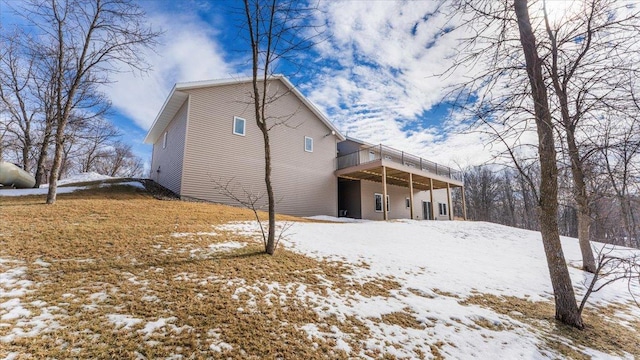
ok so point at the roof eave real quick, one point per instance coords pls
(163, 118)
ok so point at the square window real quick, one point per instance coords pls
(239, 126)
(308, 144)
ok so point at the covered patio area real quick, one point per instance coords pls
(388, 166)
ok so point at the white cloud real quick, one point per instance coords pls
(188, 52)
(389, 56)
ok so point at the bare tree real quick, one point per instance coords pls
(276, 30)
(566, 306)
(78, 44)
(613, 265)
(482, 186)
(16, 94)
(620, 155)
(506, 100)
(591, 53)
(117, 159)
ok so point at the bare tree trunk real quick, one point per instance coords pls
(271, 235)
(57, 164)
(42, 157)
(565, 301)
(254, 24)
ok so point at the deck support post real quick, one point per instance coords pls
(384, 194)
(449, 201)
(411, 195)
(464, 204)
(433, 205)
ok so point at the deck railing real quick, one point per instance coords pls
(378, 152)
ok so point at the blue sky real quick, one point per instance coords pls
(376, 76)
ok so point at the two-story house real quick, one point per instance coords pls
(205, 137)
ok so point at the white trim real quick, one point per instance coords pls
(164, 140)
(169, 109)
(305, 144)
(244, 126)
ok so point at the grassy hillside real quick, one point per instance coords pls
(111, 272)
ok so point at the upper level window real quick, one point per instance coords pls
(239, 126)
(164, 140)
(308, 144)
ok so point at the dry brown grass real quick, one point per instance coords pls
(602, 330)
(403, 318)
(112, 248)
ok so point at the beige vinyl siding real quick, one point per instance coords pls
(169, 159)
(304, 182)
(397, 201)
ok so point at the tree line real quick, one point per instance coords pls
(501, 195)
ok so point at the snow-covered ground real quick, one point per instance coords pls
(437, 265)
(78, 178)
(432, 258)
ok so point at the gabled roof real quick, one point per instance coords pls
(177, 97)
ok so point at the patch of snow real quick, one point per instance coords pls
(153, 326)
(336, 219)
(14, 310)
(84, 177)
(187, 234)
(135, 184)
(122, 321)
(150, 298)
(99, 296)
(12, 356)
(230, 245)
(41, 262)
(217, 344)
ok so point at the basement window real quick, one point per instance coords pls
(308, 144)
(239, 126)
(378, 202)
(443, 209)
(407, 202)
